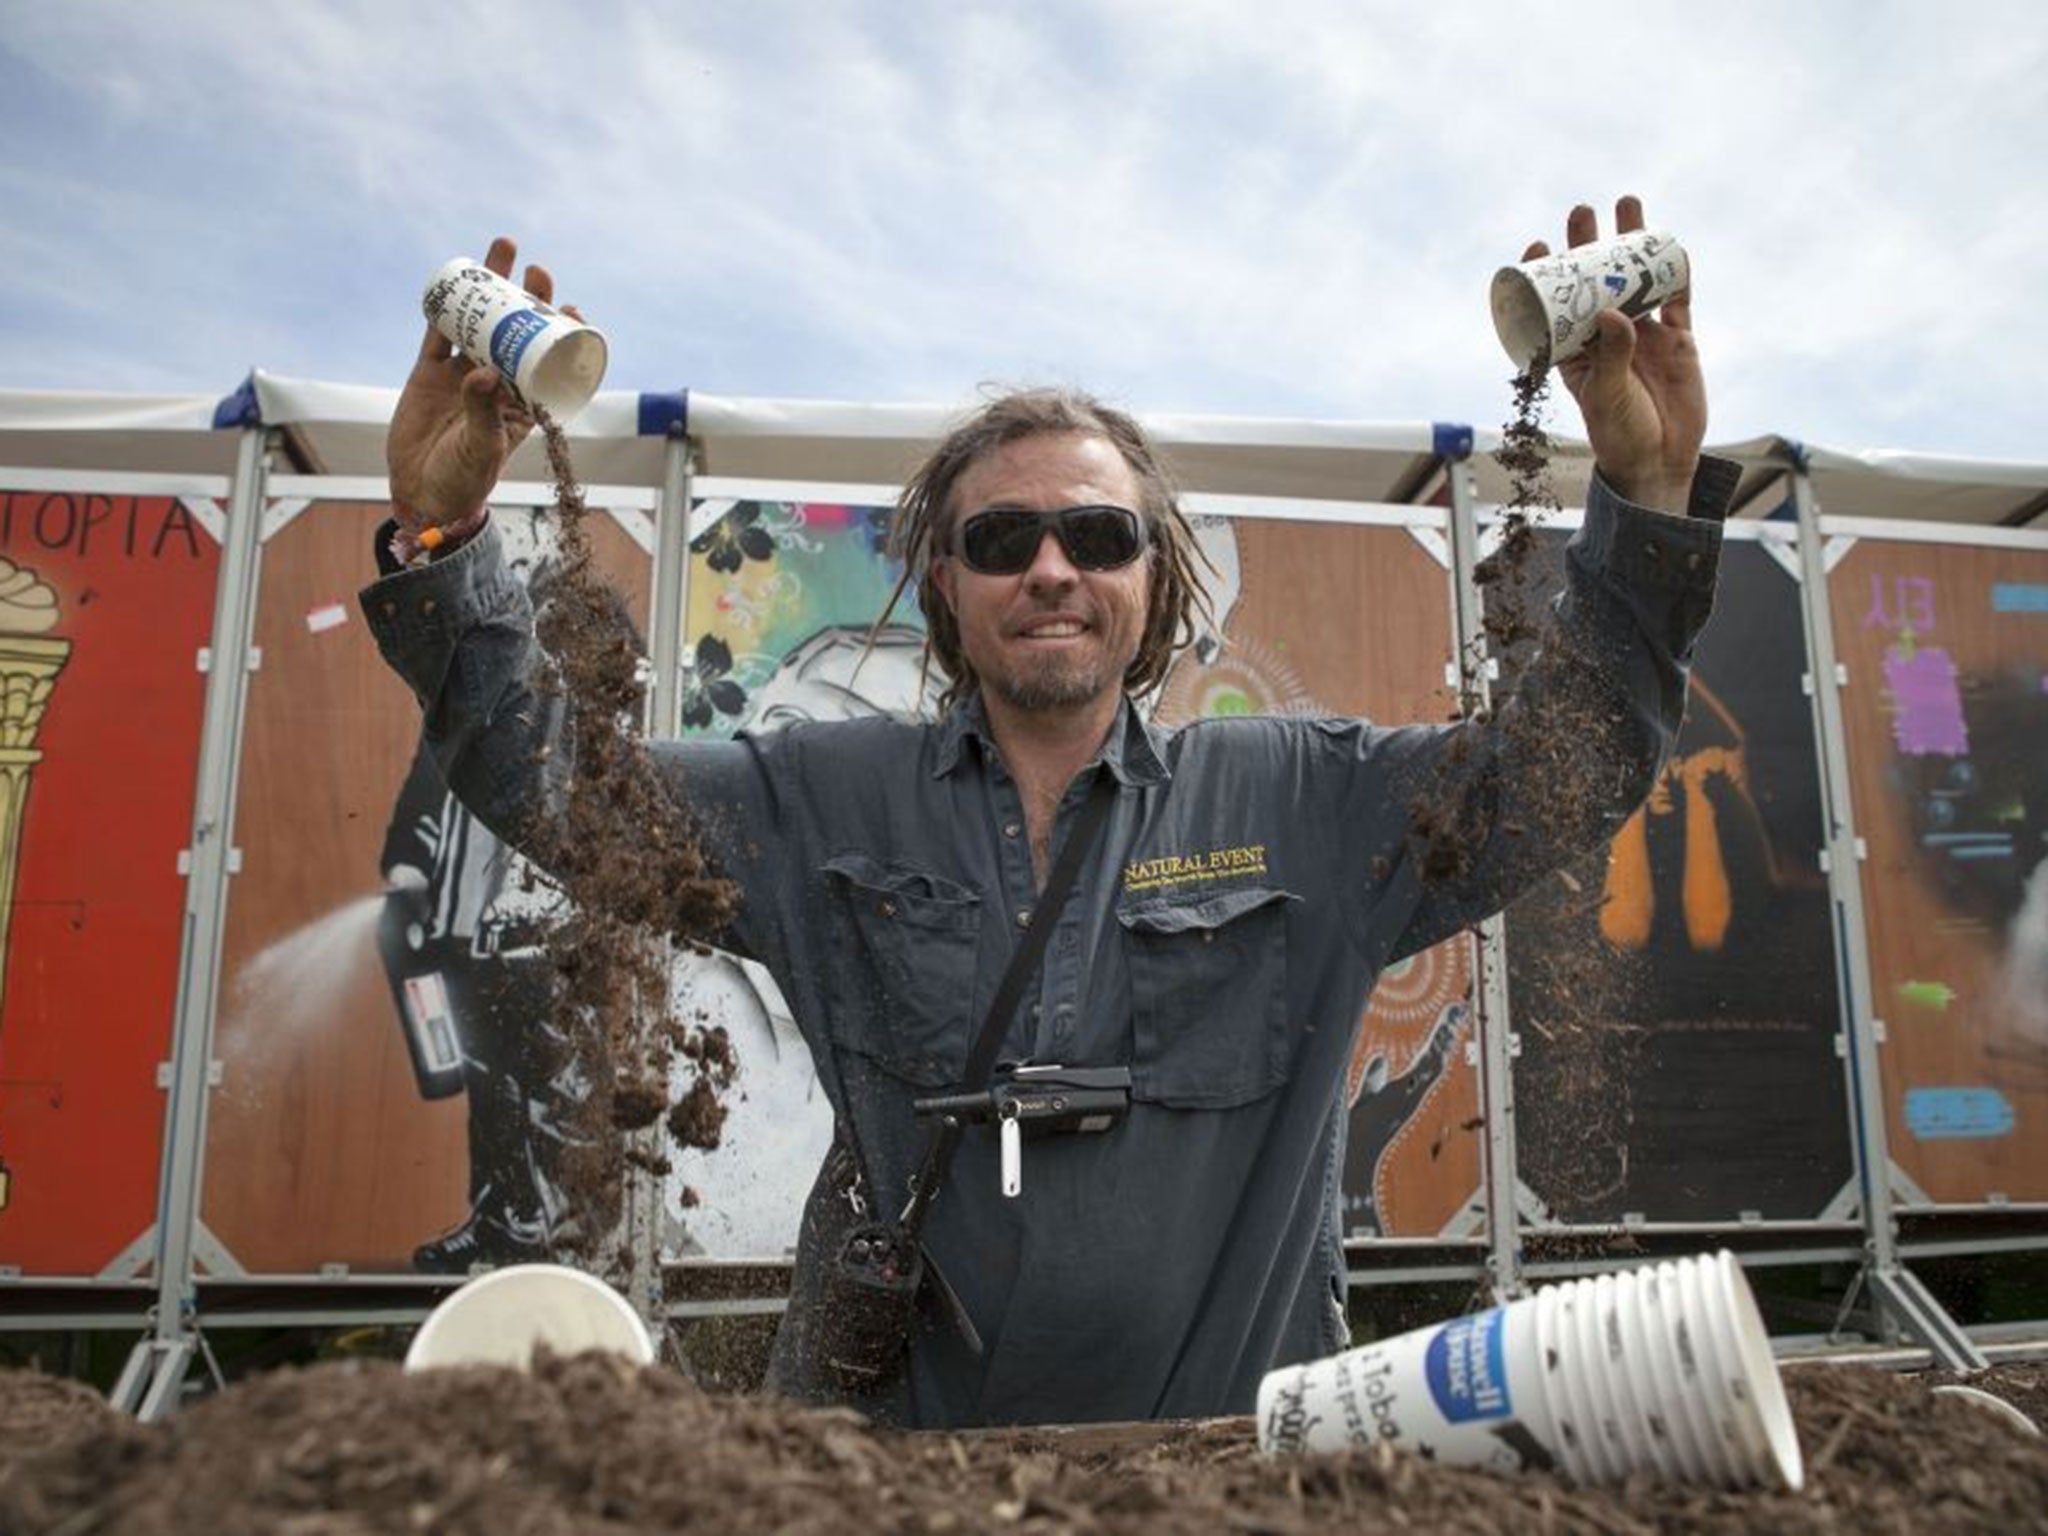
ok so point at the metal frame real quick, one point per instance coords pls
(156, 1368)
(1493, 1026)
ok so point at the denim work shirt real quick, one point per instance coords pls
(1252, 880)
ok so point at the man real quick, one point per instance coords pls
(1251, 881)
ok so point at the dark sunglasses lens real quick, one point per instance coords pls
(1000, 543)
(1099, 538)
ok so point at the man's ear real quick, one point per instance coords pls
(941, 574)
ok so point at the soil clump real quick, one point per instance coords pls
(627, 856)
(589, 1444)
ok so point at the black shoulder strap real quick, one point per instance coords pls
(1023, 967)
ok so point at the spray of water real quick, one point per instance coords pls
(289, 988)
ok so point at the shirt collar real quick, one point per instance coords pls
(1132, 751)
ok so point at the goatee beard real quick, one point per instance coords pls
(1049, 688)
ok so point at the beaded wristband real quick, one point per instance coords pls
(414, 549)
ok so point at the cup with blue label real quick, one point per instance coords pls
(1547, 310)
(1665, 1370)
(552, 360)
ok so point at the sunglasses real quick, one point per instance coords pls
(1002, 541)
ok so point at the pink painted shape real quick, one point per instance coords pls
(1928, 714)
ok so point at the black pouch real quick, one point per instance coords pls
(869, 1305)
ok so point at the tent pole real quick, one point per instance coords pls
(670, 608)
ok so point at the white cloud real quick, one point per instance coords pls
(1288, 208)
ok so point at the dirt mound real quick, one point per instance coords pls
(590, 1445)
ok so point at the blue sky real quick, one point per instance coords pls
(1290, 208)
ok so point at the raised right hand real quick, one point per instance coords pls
(457, 422)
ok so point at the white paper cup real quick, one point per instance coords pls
(553, 360)
(1587, 1386)
(1625, 1430)
(1666, 1430)
(1666, 1370)
(1570, 1412)
(1466, 1392)
(1670, 1358)
(1997, 1407)
(498, 1318)
(1545, 310)
(1743, 1369)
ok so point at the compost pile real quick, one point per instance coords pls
(629, 860)
(589, 1444)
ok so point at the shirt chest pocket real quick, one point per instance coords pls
(903, 957)
(1208, 997)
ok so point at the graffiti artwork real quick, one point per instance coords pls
(1946, 648)
(1675, 993)
(104, 607)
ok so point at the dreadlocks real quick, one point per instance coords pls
(922, 530)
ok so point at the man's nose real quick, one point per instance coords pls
(1050, 568)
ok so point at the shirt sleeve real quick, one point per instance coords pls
(1488, 806)
(459, 632)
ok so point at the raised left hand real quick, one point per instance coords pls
(1638, 386)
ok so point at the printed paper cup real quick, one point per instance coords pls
(1667, 1355)
(1665, 1370)
(553, 360)
(1544, 310)
(498, 1318)
(1466, 1392)
(1741, 1370)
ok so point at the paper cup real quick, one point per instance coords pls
(1544, 310)
(1563, 1392)
(1997, 1407)
(1631, 1391)
(498, 1318)
(1743, 1370)
(1670, 1358)
(553, 360)
(1465, 1392)
(1665, 1370)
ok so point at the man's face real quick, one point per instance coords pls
(1053, 636)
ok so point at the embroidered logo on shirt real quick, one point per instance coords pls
(1192, 868)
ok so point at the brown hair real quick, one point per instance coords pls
(920, 531)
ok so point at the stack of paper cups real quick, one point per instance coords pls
(1547, 310)
(1665, 1370)
(553, 360)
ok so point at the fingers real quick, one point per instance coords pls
(1582, 227)
(434, 347)
(540, 283)
(1628, 214)
(1536, 252)
(1677, 311)
(480, 398)
(1612, 355)
(503, 252)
